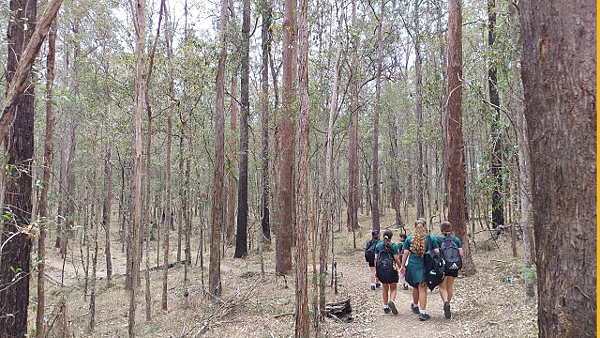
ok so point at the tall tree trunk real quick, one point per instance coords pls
(50, 63)
(139, 14)
(15, 262)
(418, 113)
(96, 225)
(168, 211)
(214, 283)
(106, 213)
(231, 190)
(328, 179)
(375, 200)
(264, 104)
(148, 295)
(454, 134)
(524, 160)
(302, 329)
(241, 239)
(288, 146)
(352, 157)
(496, 125)
(559, 80)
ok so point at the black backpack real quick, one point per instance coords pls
(434, 266)
(385, 265)
(450, 254)
(370, 251)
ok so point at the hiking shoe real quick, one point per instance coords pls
(392, 306)
(405, 287)
(373, 287)
(423, 317)
(386, 310)
(447, 313)
(414, 308)
(378, 284)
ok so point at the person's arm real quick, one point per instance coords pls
(397, 259)
(375, 260)
(459, 244)
(404, 258)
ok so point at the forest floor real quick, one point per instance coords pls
(489, 303)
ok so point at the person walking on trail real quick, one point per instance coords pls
(370, 257)
(400, 250)
(413, 266)
(452, 252)
(386, 255)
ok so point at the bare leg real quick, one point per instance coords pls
(373, 278)
(385, 293)
(393, 291)
(449, 287)
(443, 289)
(415, 295)
(422, 295)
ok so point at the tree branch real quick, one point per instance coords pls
(18, 85)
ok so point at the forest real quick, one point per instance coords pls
(210, 168)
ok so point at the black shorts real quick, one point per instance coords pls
(372, 264)
(451, 272)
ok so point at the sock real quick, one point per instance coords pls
(422, 312)
(372, 284)
(413, 305)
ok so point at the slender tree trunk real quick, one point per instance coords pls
(50, 63)
(95, 210)
(496, 132)
(139, 13)
(231, 190)
(264, 103)
(15, 262)
(214, 284)
(352, 157)
(288, 147)
(454, 134)
(241, 246)
(375, 200)
(302, 319)
(418, 113)
(148, 295)
(524, 160)
(559, 81)
(168, 211)
(106, 213)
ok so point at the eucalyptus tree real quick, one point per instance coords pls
(50, 64)
(241, 239)
(139, 20)
(523, 153)
(352, 213)
(288, 144)
(16, 237)
(302, 327)
(266, 34)
(454, 132)
(375, 160)
(497, 143)
(218, 170)
(559, 81)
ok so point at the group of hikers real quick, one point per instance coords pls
(425, 261)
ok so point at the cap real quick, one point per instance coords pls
(375, 233)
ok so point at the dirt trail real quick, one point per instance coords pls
(368, 309)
